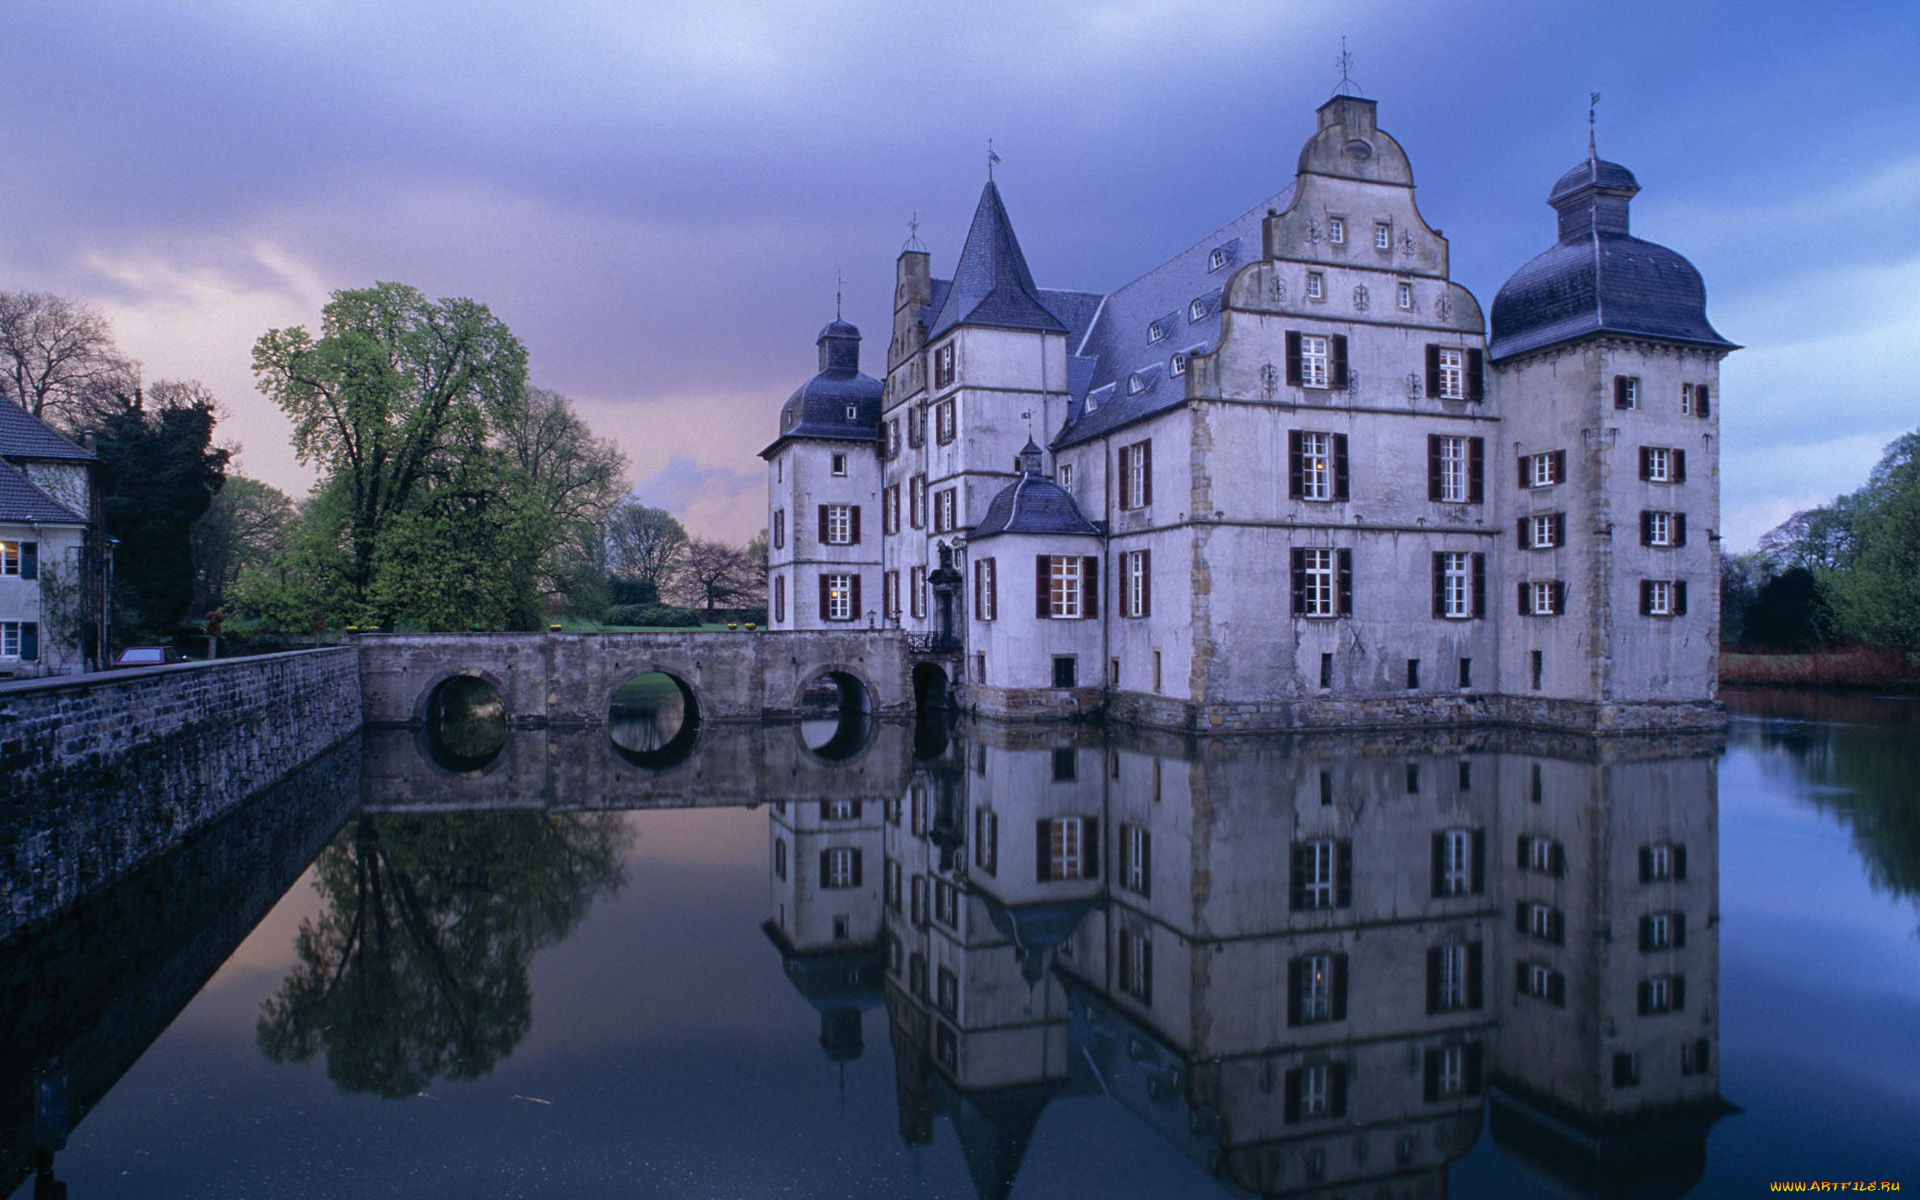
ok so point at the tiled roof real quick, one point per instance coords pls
(20, 500)
(1033, 504)
(991, 283)
(818, 407)
(23, 435)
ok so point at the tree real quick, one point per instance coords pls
(244, 527)
(58, 361)
(159, 473)
(716, 575)
(1873, 587)
(645, 547)
(403, 402)
(578, 479)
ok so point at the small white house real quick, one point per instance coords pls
(52, 551)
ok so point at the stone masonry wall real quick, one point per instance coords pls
(100, 774)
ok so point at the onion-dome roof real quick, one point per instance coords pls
(839, 402)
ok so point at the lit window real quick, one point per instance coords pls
(1452, 374)
(1316, 285)
(1318, 599)
(9, 558)
(1337, 230)
(1383, 235)
(839, 597)
(840, 464)
(1452, 456)
(1064, 586)
(1316, 464)
(1456, 584)
(1316, 992)
(1313, 361)
(1404, 295)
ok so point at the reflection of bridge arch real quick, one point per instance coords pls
(650, 724)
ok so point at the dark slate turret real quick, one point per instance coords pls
(1033, 504)
(991, 283)
(1599, 279)
(839, 403)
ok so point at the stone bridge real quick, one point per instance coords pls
(568, 679)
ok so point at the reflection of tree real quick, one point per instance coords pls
(1866, 777)
(418, 966)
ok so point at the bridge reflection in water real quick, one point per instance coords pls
(1313, 965)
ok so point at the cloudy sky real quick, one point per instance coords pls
(656, 197)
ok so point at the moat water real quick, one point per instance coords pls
(889, 961)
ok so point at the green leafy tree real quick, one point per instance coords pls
(417, 967)
(244, 527)
(1873, 586)
(160, 472)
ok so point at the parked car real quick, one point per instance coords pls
(148, 656)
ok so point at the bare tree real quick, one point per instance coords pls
(578, 475)
(58, 361)
(645, 545)
(716, 575)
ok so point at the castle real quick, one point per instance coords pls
(1287, 478)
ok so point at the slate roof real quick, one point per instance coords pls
(1599, 278)
(1033, 504)
(818, 407)
(991, 283)
(23, 435)
(1183, 295)
(21, 501)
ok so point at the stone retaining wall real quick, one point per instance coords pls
(100, 773)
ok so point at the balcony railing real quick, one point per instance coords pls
(933, 643)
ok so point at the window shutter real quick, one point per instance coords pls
(1677, 528)
(1293, 358)
(1299, 582)
(1296, 471)
(1042, 606)
(1476, 987)
(1523, 533)
(1679, 466)
(1090, 581)
(1146, 583)
(1433, 371)
(825, 606)
(1296, 974)
(1557, 861)
(1339, 466)
(1479, 585)
(1476, 469)
(853, 613)
(1291, 1104)
(1526, 477)
(1646, 864)
(1680, 863)
(1339, 361)
(823, 524)
(854, 525)
(856, 866)
(1435, 956)
(1557, 989)
(1520, 856)
(1430, 1077)
(1343, 875)
(993, 590)
(1520, 979)
(1560, 466)
(1344, 581)
(1337, 990)
(1646, 597)
(1297, 880)
(1645, 992)
(1620, 391)
(1439, 863)
(1090, 846)
(1677, 929)
(1646, 934)
(1042, 851)
(1433, 466)
(1526, 595)
(1439, 585)
(1679, 597)
(1646, 462)
(825, 855)
(1476, 375)
(29, 561)
(1146, 472)
(1559, 596)
(1479, 865)
(1146, 863)
(1337, 1084)
(29, 635)
(1701, 407)
(979, 593)
(1471, 1069)
(1557, 927)
(1559, 529)
(1520, 922)
(1646, 528)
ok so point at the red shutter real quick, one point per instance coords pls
(1042, 851)
(1343, 560)
(1146, 472)
(979, 596)
(1299, 582)
(1296, 472)
(825, 607)
(1090, 846)
(1433, 466)
(1479, 585)
(1677, 529)
(1701, 406)
(1433, 371)
(1042, 606)
(993, 589)
(1090, 566)
(1559, 466)
(1679, 466)
(1339, 466)
(1526, 594)
(1646, 462)
(823, 524)
(1339, 361)
(1476, 375)
(854, 608)
(1439, 585)
(1523, 533)
(1526, 477)
(1476, 468)
(1293, 357)
(1559, 597)
(1679, 597)
(1646, 528)
(854, 525)
(1620, 391)
(1146, 583)
(1559, 529)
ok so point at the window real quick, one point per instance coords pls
(1413, 674)
(780, 598)
(1321, 876)
(1459, 585)
(1066, 586)
(1066, 671)
(1113, 680)
(1453, 977)
(1541, 856)
(1136, 475)
(943, 511)
(839, 810)
(1383, 235)
(1136, 575)
(1663, 994)
(1313, 361)
(1197, 311)
(1626, 391)
(890, 509)
(1316, 989)
(893, 437)
(1322, 583)
(1136, 965)
(1458, 863)
(1665, 529)
(1337, 230)
(1156, 687)
(1217, 258)
(1663, 597)
(842, 927)
(1541, 981)
(1694, 401)
(917, 588)
(917, 501)
(1136, 859)
(1316, 361)
(1541, 921)
(853, 412)
(943, 422)
(1695, 1057)
(1403, 295)
(986, 840)
(1065, 477)
(1326, 670)
(839, 597)
(1626, 1069)
(890, 593)
(920, 809)
(1316, 285)
(1316, 465)
(1452, 375)
(1542, 598)
(1663, 861)
(779, 528)
(1066, 765)
(839, 524)
(917, 903)
(1456, 469)
(1542, 531)
(943, 371)
(1067, 849)
(1451, 1072)
(1662, 464)
(1155, 331)
(1543, 470)
(917, 974)
(1177, 365)
(1466, 672)
(1663, 931)
(1536, 667)
(946, 904)
(1455, 373)
(1315, 1092)
(916, 426)
(986, 590)
(779, 858)
(949, 993)
(839, 461)
(840, 868)
(890, 876)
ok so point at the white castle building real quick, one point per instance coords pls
(1289, 477)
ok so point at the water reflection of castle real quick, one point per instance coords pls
(1309, 964)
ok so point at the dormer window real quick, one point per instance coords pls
(853, 412)
(1383, 235)
(1155, 331)
(1197, 311)
(1316, 285)
(1337, 230)
(1136, 383)
(1178, 364)
(1217, 259)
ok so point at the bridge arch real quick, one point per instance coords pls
(653, 717)
(463, 723)
(836, 708)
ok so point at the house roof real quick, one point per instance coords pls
(991, 282)
(23, 435)
(22, 501)
(1033, 504)
(818, 408)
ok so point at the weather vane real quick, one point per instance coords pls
(992, 158)
(839, 285)
(913, 235)
(1593, 102)
(1345, 63)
